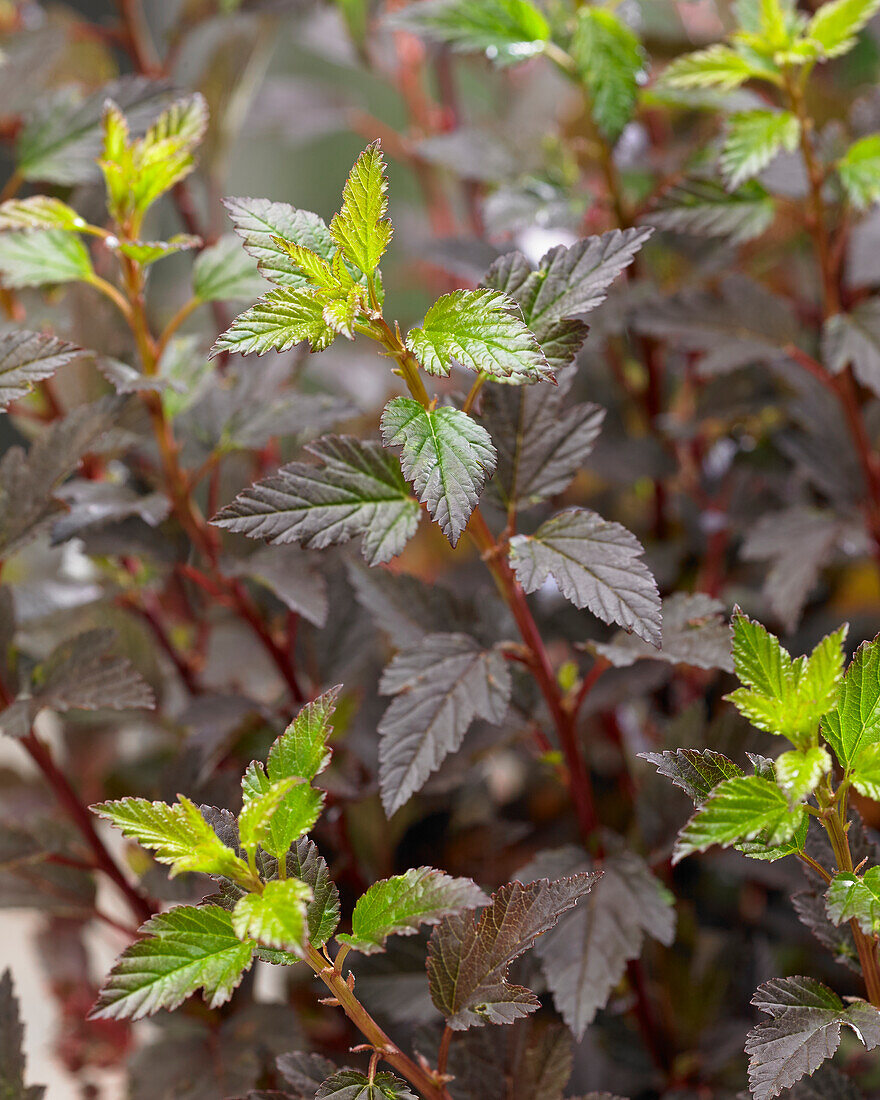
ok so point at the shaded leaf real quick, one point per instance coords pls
(468, 958)
(803, 1032)
(693, 633)
(42, 257)
(264, 226)
(706, 209)
(349, 1084)
(27, 358)
(224, 272)
(854, 338)
(596, 565)
(697, 772)
(12, 1058)
(442, 685)
(358, 490)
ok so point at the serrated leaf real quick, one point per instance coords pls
(693, 633)
(62, 141)
(705, 208)
(30, 479)
(12, 1058)
(585, 956)
(835, 25)
(149, 252)
(43, 258)
(784, 696)
(446, 456)
(262, 225)
(360, 228)
(276, 917)
(27, 358)
(799, 771)
(854, 338)
(507, 31)
(442, 685)
(39, 212)
(304, 1071)
(854, 897)
(358, 490)
(569, 281)
(279, 320)
(300, 753)
(609, 58)
(261, 800)
(290, 574)
(803, 1032)
(859, 171)
(697, 772)
(398, 906)
(741, 325)
(468, 958)
(739, 809)
(176, 834)
(866, 772)
(183, 950)
(596, 565)
(225, 272)
(532, 1060)
(715, 67)
(854, 723)
(541, 439)
(484, 332)
(753, 139)
(80, 674)
(349, 1084)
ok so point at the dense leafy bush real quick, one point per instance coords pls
(384, 574)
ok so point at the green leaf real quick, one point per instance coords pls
(835, 26)
(738, 809)
(276, 917)
(398, 906)
(854, 723)
(43, 258)
(803, 1032)
(468, 959)
(753, 139)
(224, 272)
(609, 58)
(446, 456)
(859, 171)
(799, 771)
(716, 67)
(177, 835)
(27, 358)
(349, 1084)
(278, 321)
(148, 252)
(40, 212)
(261, 802)
(705, 208)
(358, 490)
(484, 332)
(851, 897)
(183, 950)
(866, 772)
(360, 228)
(596, 564)
(262, 225)
(697, 772)
(506, 31)
(12, 1057)
(442, 684)
(781, 695)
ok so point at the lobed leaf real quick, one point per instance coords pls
(357, 490)
(280, 319)
(468, 958)
(442, 684)
(446, 456)
(596, 565)
(275, 917)
(27, 358)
